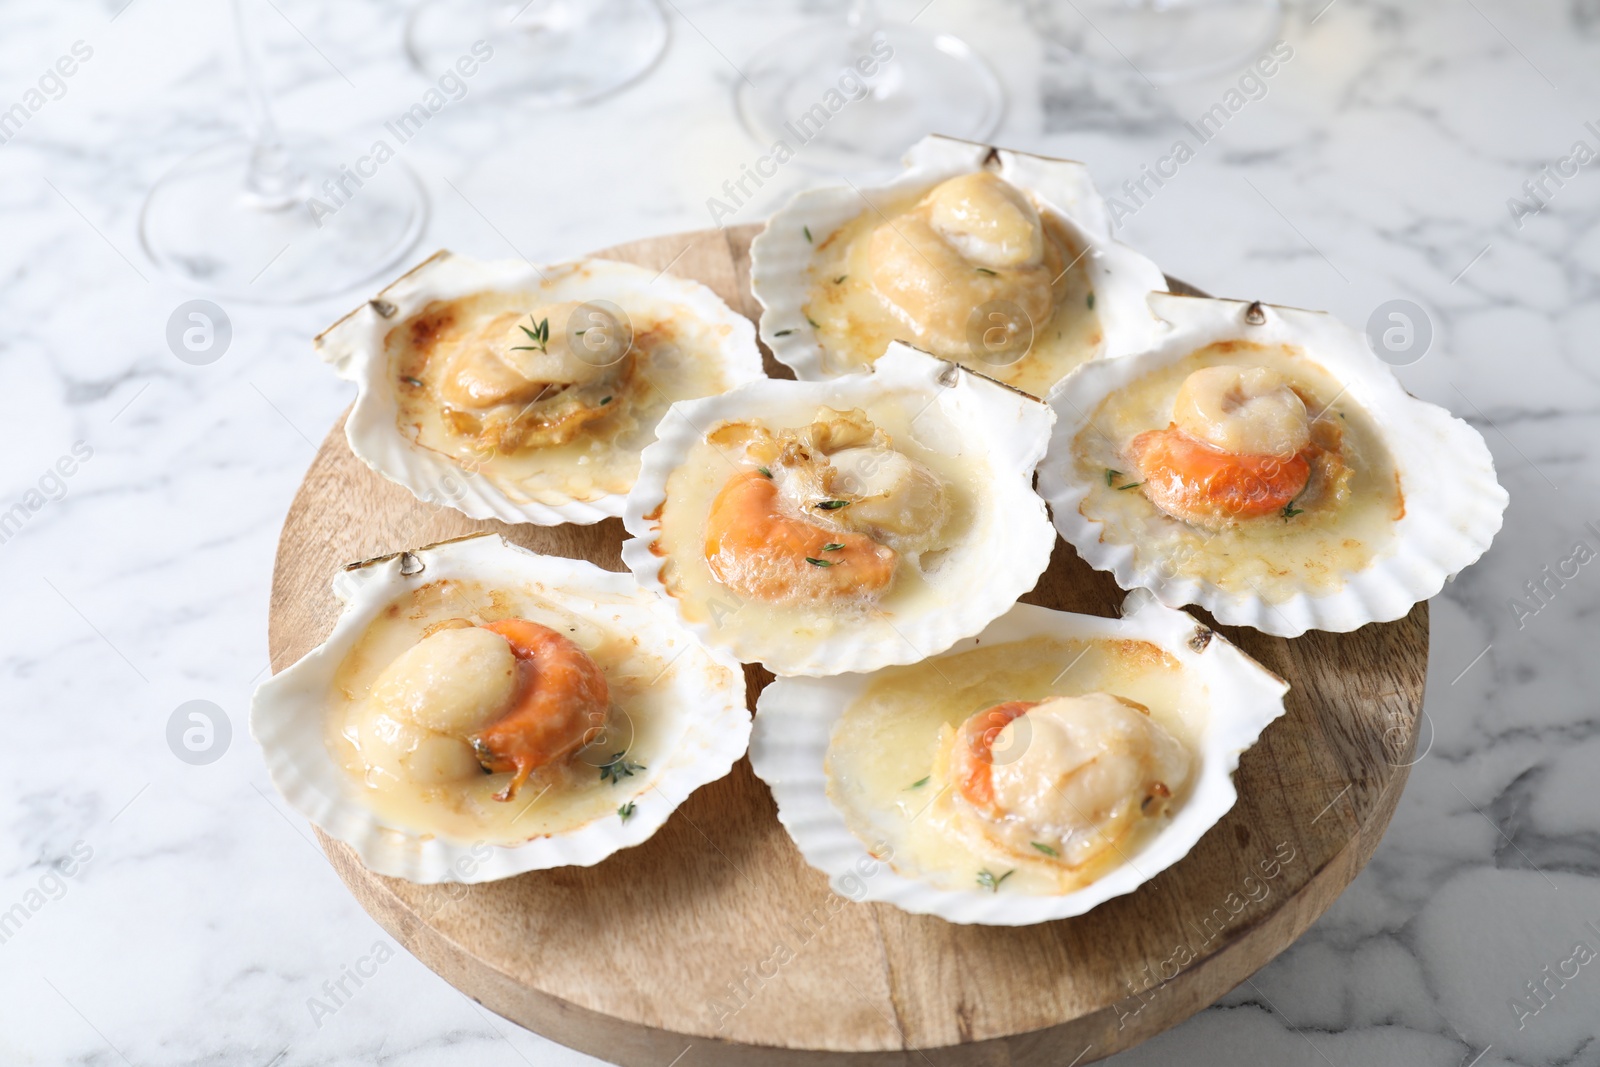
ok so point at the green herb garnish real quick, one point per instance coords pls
(819, 562)
(1113, 476)
(1042, 847)
(604, 401)
(832, 505)
(813, 323)
(919, 783)
(1091, 301)
(840, 279)
(626, 811)
(1290, 511)
(618, 768)
(988, 880)
(832, 546)
(764, 472)
(807, 231)
(986, 270)
(539, 335)
(783, 333)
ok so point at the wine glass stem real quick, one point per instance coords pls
(272, 182)
(864, 23)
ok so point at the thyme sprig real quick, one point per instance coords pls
(987, 879)
(1112, 478)
(539, 335)
(618, 768)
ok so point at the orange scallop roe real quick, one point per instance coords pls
(1197, 482)
(978, 734)
(562, 703)
(755, 548)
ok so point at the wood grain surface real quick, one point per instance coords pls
(713, 942)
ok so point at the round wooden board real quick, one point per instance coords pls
(714, 942)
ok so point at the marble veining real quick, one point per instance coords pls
(155, 912)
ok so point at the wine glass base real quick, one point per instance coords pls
(547, 53)
(1163, 40)
(929, 83)
(202, 227)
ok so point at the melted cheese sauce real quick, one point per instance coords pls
(1272, 557)
(854, 324)
(676, 358)
(921, 582)
(888, 741)
(644, 723)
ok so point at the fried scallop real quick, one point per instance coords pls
(1262, 463)
(524, 393)
(1027, 773)
(480, 710)
(820, 527)
(1001, 261)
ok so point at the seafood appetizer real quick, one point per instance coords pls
(525, 394)
(820, 527)
(1263, 463)
(1030, 774)
(1001, 261)
(480, 711)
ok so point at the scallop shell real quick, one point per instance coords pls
(288, 714)
(795, 719)
(1453, 504)
(355, 348)
(781, 256)
(961, 413)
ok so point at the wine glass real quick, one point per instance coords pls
(547, 53)
(863, 90)
(279, 219)
(1163, 40)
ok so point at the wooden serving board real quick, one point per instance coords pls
(714, 942)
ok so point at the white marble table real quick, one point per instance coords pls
(157, 912)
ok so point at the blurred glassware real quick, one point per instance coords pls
(547, 53)
(1164, 40)
(921, 82)
(279, 220)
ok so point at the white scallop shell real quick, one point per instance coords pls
(795, 719)
(1453, 504)
(781, 256)
(995, 425)
(288, 713)
(355, 348)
